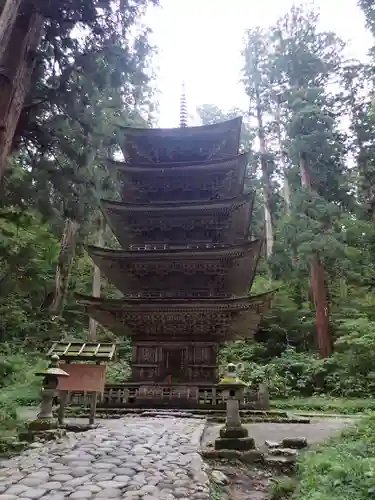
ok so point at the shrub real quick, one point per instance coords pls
(349, 372)
(343, 468)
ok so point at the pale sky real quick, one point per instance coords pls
(200, 41)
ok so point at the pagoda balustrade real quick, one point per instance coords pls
(128, 395)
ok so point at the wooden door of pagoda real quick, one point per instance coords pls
(173, 365)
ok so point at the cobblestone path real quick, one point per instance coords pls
(135, 458)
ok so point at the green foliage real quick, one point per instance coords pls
(83, 88)
(28, 251)
(282, 487)
(19, 386)
(325, 404)
(342, 468)
(284, 357)
(217, 492)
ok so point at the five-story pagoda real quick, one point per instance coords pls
(186, 264)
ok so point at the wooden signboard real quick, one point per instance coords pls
(82, 377)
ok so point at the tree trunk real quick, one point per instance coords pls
(64, 265)
(8, 17)
(372, 205)
(318, 287)
(286, 187)
(17, 57)
(267, 192)
(96, 281)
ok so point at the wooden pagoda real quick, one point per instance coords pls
(187, 262)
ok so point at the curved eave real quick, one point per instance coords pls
(236, 251)
(182, 132)
(117, 216)
(238, 264)
(219, 320)
(210, 304)
(154, 145)
(178, 167)
(171, 207)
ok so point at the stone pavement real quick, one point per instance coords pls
(131, 458)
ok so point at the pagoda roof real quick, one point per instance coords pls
(181, 182)
(178, 167)
(204, 272)
(158, 145)
(206, 319)
(178, 224)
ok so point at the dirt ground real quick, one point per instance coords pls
(319, 429)
(253, 483)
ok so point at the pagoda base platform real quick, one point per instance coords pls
(184, 396)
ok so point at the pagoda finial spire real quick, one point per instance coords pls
(183, 107)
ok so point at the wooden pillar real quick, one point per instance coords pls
(64, 396)
(93, 405)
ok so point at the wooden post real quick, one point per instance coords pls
(94, 402)
(64, 396)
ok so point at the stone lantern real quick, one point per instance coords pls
(233, 435)
(232, 387)
(46, 425)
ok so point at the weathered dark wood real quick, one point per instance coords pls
(222, 272)
(163, 320)
(178, 363)
(219, 180)
(180, 225)
(181, 144)
(186, 264)
(157, 395)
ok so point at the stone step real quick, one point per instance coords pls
(196, 411)
(279, 461)
(282, 452)
(254, 420)
(297, 443)
(218, 416)
(157, 414)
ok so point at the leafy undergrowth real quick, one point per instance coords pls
(325, 404)
(117, 372)
(19, 386)
(343, 468)
(282, 487)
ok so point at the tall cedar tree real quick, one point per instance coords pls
(258, 88)
(91, 74)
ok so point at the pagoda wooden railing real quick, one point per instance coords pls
(128, 395)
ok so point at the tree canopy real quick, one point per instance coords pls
(312, 160)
